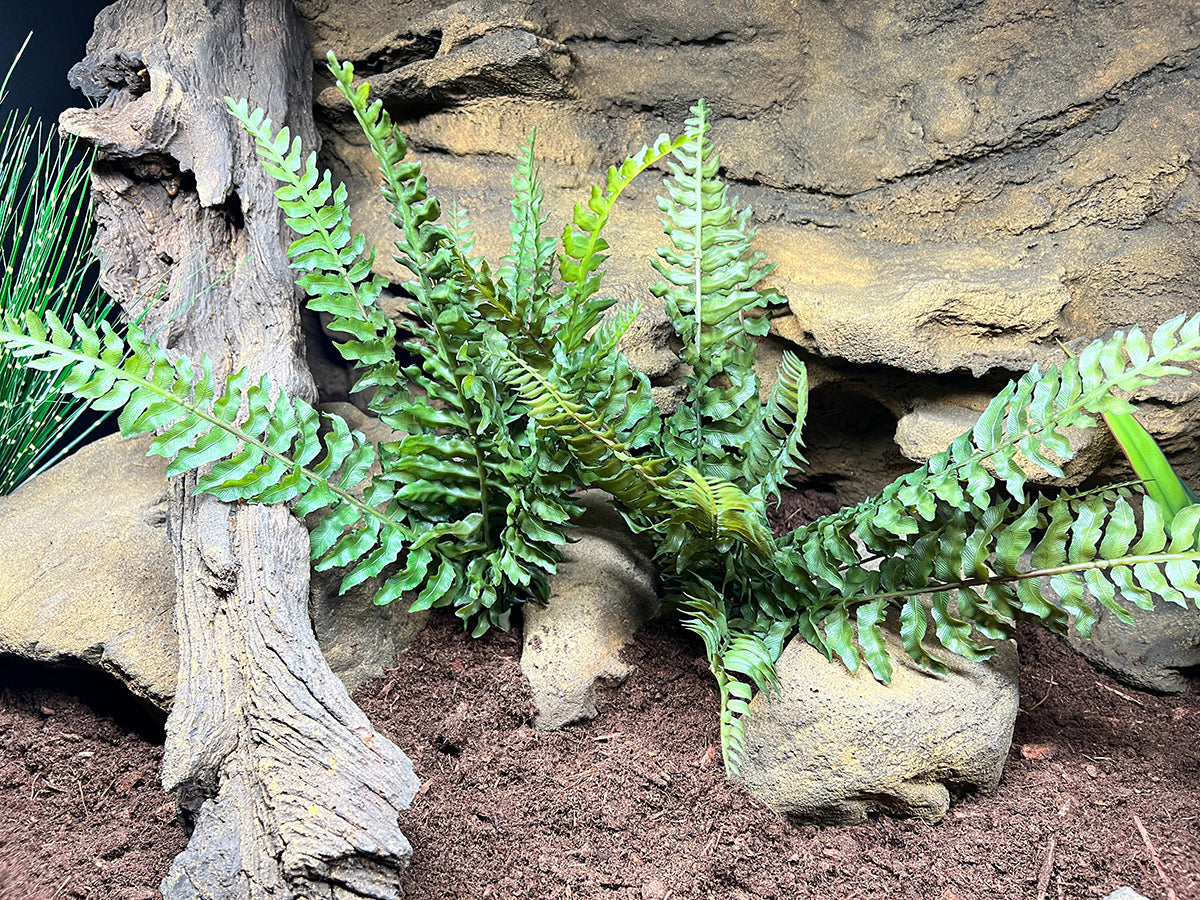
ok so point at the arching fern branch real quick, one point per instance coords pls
(712, 297)
(263, 449)
(583, 246)
(962, 531)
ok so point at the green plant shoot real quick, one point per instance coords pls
(45, 257)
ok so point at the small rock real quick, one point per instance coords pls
(1037, 751)
(1159, 652)
(604, 590)
(832, 747)
(166, 812)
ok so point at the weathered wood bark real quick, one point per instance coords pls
(290, 791)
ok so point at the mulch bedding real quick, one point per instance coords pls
(1099, 792)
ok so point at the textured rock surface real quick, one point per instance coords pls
(88, 575)
(89, 578)
(832, 747)
(1160, 652)
(948, 188)
(603, 591)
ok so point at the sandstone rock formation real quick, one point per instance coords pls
(833, 748)
(88, 576)
(949, 189)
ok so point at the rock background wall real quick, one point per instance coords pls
(950, 189)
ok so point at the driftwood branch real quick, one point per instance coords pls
(289, 790)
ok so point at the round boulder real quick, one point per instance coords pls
(833, 747)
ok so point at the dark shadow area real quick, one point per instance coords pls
(99, 691)
(850, 444)
(60, 29)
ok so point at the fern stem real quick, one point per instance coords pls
(697, 272)
(564, 406)
(420, 261)
(717, 667)
(1114, 563)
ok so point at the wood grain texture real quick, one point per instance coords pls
(290, 791)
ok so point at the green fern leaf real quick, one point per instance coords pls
(712, 298)
(774, 448)
(583, 246)
(267, 459)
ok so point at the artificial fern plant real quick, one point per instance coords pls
(520, 394)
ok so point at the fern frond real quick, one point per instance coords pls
(712, 298)
(424, 246)
(774, 448)
(526, 276)
(741, 655)
(261, 449)
(583, 246)
(962, 531)
(1052, 561)
(335, 265)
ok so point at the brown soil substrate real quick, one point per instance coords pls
(81, 810)
(634, 805)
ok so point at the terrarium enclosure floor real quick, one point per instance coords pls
(633, 805)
